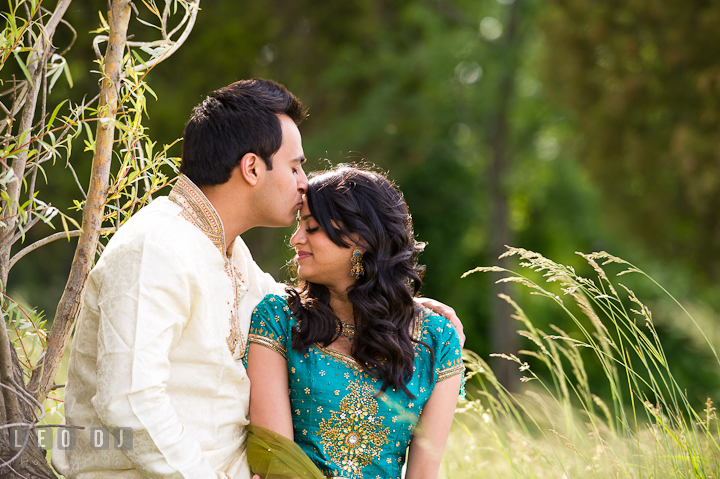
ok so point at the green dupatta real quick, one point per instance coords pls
(273, 456)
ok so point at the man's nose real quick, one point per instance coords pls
(302, 182)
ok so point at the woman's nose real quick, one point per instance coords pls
(297, 237)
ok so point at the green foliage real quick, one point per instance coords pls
(412, 86)
(642, 84)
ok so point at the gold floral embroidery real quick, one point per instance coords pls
(354, 436)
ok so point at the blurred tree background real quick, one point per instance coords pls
(556, 126)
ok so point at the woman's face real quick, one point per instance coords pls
(320, 260)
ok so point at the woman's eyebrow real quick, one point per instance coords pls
(303, 218)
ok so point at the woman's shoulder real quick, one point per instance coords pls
(274, 308)
(435, 324)
(272, 302)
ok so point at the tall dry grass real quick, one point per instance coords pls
(557, 427)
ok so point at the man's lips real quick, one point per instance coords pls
(302, 255)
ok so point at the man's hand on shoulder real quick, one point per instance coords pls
(447, 312)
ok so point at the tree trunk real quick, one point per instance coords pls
(17, 406)
(503, 334)
(71, 299)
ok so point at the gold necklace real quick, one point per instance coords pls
(345, 329)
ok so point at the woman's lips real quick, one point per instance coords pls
(302, 255)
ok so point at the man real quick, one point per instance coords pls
(159, 341)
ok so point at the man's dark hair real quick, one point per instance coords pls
(235, 120)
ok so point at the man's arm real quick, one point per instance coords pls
(144, 306)
(445, 311)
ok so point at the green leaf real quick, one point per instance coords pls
(138, 57)
(56, 70)
(150, 90)
(68, 76)
(55, 112)
(22, 66)
(91, 139)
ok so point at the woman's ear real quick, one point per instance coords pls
(358, 242)
(251, 168)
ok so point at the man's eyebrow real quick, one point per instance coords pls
(300, 159)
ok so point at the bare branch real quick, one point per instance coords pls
(74, 38)
(21, 476)
(50, 239)
(194, 7)
(166, 12)
(190, 17)
(96, 44)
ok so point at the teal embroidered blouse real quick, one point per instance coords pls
(337, 420)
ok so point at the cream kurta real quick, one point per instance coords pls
(151, 348)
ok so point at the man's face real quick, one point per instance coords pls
(285, 184)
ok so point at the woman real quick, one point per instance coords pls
(369, 373)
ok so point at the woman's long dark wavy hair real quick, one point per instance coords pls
(354, 200)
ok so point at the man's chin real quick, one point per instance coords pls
(282, 223)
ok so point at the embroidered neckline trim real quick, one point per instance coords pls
(198, 210)
(346, 358)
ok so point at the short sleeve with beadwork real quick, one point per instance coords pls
(270, 324)
(448, 353)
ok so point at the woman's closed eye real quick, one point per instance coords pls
(312, 230)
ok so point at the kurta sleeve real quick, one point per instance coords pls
(270, 323)
(448, 355)
(146, 298)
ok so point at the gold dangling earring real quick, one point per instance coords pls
(357, 269)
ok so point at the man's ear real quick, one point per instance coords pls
(251, 168)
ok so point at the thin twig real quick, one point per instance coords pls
(20, 391)
(22, 449)
(8, 243)
(43, 113)
(166, 12)
(72, 42)
(179, 25)
(82, 190)
(17, 473)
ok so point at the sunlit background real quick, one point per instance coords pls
(556, 126)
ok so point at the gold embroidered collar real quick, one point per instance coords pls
(198, 210)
